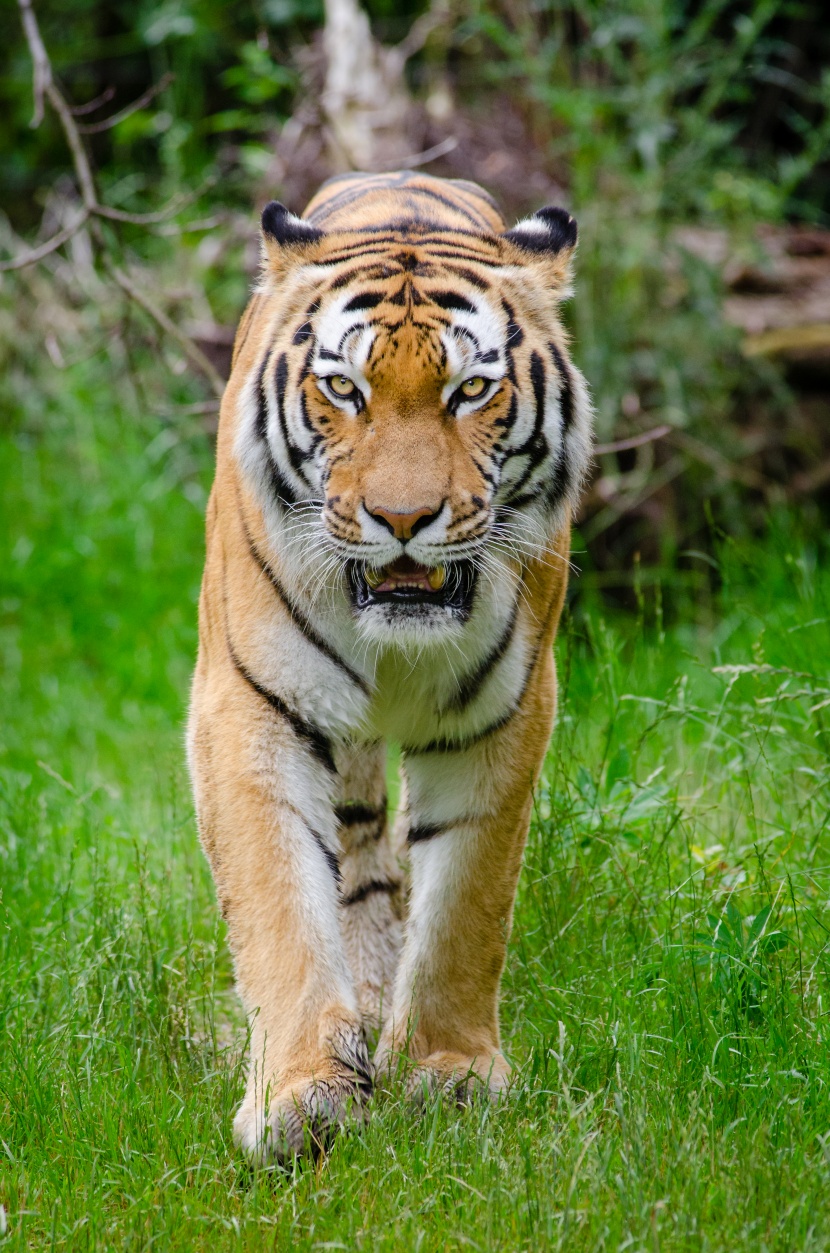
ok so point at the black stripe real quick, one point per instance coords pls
(369, 889)
(302, 333)
(282, 489)
(475, 280)
(509, 420)
(316, 437)
(350, 330)
(367, 300)
(475, 218)
(515, 334)
(355, 813)
(312, 736)
(470, 687)
(444, 248)
(298, 617)
(446, 745)
(427, 830)
(537, 380)
(333, 863)
(566, 396)
(296, 456)
(535, 447)
(457, 746)
(451, 300)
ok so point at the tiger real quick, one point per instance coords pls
(400, 450)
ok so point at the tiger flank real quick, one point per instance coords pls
(401, 444)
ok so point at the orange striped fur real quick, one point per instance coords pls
(401, 443)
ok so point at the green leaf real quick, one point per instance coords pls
(736, 921)
(758, 924)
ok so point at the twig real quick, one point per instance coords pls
(51, 245)
(711, 457)
(420, 158)
(107, 123)
(169, 327)
(636, 441)
(81, 110)
(421, 29)
(42, 70)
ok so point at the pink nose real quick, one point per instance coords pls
(403, 525)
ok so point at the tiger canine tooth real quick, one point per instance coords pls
(436, 577)
(374, 577)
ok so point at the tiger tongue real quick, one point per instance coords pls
(405, 571)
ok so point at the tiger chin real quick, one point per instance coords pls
(401, 443)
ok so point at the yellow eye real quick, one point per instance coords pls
(473, 388)
(341, 386)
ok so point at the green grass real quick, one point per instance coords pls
(673, 1070)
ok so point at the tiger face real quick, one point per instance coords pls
(417, 408)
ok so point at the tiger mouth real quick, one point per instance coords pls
(406, 583)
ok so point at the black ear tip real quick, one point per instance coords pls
(279, 224)
(562, 226)
(548, 230)
(273, 218)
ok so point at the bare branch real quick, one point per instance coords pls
(40, 61)
(44, 85)
(419, 32)
(81, 110)
(636, 441)
(158, 315)
(144, 219)
(51, 245)
(95, 128)
(711, 457)
(421, 158)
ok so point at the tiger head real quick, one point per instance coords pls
(417, 416)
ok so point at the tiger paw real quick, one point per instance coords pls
(298, 1122)
(301, 1119)
(458, 1078)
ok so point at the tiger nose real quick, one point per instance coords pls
(403, 525)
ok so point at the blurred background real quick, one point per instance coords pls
(690, 140)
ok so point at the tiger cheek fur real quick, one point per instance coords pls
(401, 443)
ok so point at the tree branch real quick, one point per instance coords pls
(107, 123)
(51, 245)
(44, 85)
(636, 441)
(158, 315)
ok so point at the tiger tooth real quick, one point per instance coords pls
(374, 578)
(436, 577)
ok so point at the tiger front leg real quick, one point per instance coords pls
(371, 885)
(267, 823)
(469, 812)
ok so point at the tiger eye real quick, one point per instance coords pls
(472, 388)
(341, 386)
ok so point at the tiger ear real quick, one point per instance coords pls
(548, 230)
(549, 235)
(282, 230)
